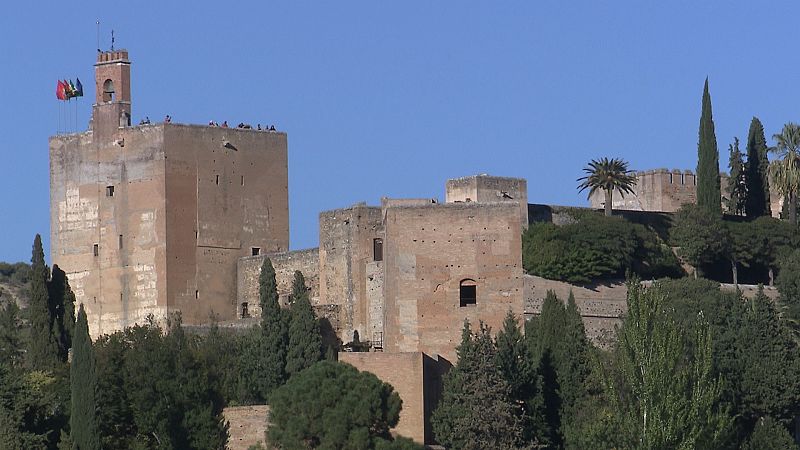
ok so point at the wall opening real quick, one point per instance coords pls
(683, 179)
(109, 191)
(377, 249)
(670, 179)
(108, 91)
(196, 294)
(120, 242)
(242, 180)
(245, 311)
(96, 249)
(217, 180)
(255, 251)
(468, 293)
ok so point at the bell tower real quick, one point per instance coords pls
(112, 106)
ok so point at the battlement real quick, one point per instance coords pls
(112, 56)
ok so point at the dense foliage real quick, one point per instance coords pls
(331, 406)
(596, 247)
(757, 202)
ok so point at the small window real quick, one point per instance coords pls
(670, 179)
(196, 294)
(120, 242)
(120, 296)
(256, 250)
(377, 249)
(245, 311)
(467, 293)
(242, 180)
(96, 249)
(109, 191)
(217, 180)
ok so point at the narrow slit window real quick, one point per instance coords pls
(120, 242)
(467, 293)
(245, 312)
(109, 191)
(196, 294)
(217, 180)
(242, 180)
(96, 249)
(377, 249)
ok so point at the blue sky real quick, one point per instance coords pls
(392, 98)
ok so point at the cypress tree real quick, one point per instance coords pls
(737, 186)
(758, 201)
(43, 349)
(708, 181)
(274, 332)
(305, 340)
(83, 381)
(62, 310)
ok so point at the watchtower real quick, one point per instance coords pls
(112, 106)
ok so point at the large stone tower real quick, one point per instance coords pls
(151, 219)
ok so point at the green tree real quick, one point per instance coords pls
(333, 406)
(83, 382)
(708, 181)
(776, 239)
(769, 435)
(666, 393)
(43, 351)
(757, 176)
(700, 235)
(305, 340)
(742, 246)
(62, 310)
(737, 185)
(609, 175)
(476, 411)
(274, 329)
(785, 170)
(10, 339)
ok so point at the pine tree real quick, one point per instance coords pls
(305, 340)
(83, 381)
(476, 411)
(573, 366)
(43, 348)
(275, 333)
(737, 187)
(708, 180)
(757, 178)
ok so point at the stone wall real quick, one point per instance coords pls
(417, 379)
(489, 189)
(428, 252)
(346, 248)
(602, 306)
(285, 264)
(248, 425)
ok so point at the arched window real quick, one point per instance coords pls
(468, 293)
(245, 312)
(108, 91)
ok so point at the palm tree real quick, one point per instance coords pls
(784, 172)
(609, 175)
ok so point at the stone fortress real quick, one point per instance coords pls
(163, 218)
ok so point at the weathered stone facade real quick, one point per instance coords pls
(285, 264)
(152, 219)
(248, 425)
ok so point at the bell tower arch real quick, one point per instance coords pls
(112, 106)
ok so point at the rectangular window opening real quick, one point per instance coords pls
(468, 295)
(255, 251)
(242, 180)
(245, 312)
(217, 180)
(96, 249)
(196, 294)
(120, 242)
(109, 191)
(377, 249)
